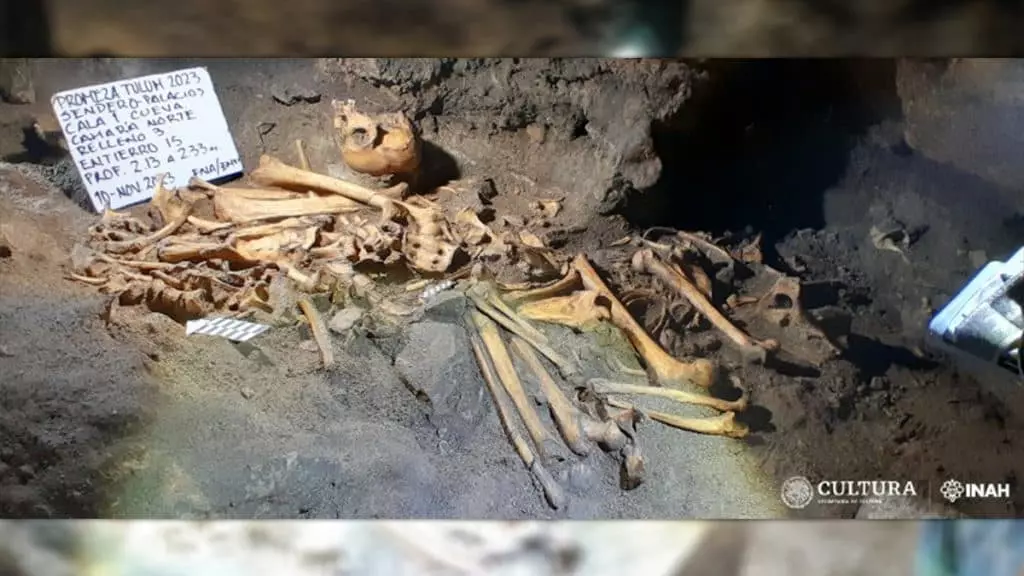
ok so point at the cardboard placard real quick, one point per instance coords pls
(124, 135)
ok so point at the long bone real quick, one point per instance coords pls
(663, 368)
(724, 424)
(274, 172)
(564, 285)
(645, 261)
(553, 493)
(576, 428)
(499, 357)
(490, 304)
(603, 386)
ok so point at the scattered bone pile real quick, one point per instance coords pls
(210, 249)
(597, 411)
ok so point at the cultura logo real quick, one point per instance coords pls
(798, 492)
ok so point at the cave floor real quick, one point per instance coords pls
(127, 417)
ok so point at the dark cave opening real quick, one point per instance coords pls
(771, 137)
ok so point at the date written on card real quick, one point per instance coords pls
(124, 135)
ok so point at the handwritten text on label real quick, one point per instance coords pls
(124, 135)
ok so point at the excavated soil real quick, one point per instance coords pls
(121, 415)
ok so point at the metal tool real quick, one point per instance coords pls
(982, 327)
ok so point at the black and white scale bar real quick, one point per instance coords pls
(234, 330)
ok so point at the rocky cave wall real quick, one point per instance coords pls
(577, 129)
(595, 132)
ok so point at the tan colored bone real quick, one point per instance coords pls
(790, 288)
(566, 284)
(575, 426)
(604, 386)
(429, 254)
(176, 303)
(319, 331)
(481, 292)
(699, 277)
(167, 203)
(140, 243)
(86, 279)
(138, 264)
(577, 311)
(266, 194)
(737, 301)
(472, 231)
(565, 415)
(234, 207)
(247, 193)
(605, 433)
(280, 246)
(705, 246)
(722, 425)
(305, 282)
(429, 244)
(549, 208)
(200, 251)
(516, 325)
(503, 366)
(259, 230)
(750, 252)
(379, 144)
(300, 153)
(666, 370)
(553, 493)
(273, 172)
(209, 226)
(645, 261)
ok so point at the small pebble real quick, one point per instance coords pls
(346, 319)
(247, 392)
(537, 133)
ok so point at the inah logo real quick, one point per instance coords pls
(797, 492)
(953, 490)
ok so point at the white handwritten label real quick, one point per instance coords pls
(124, 135)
